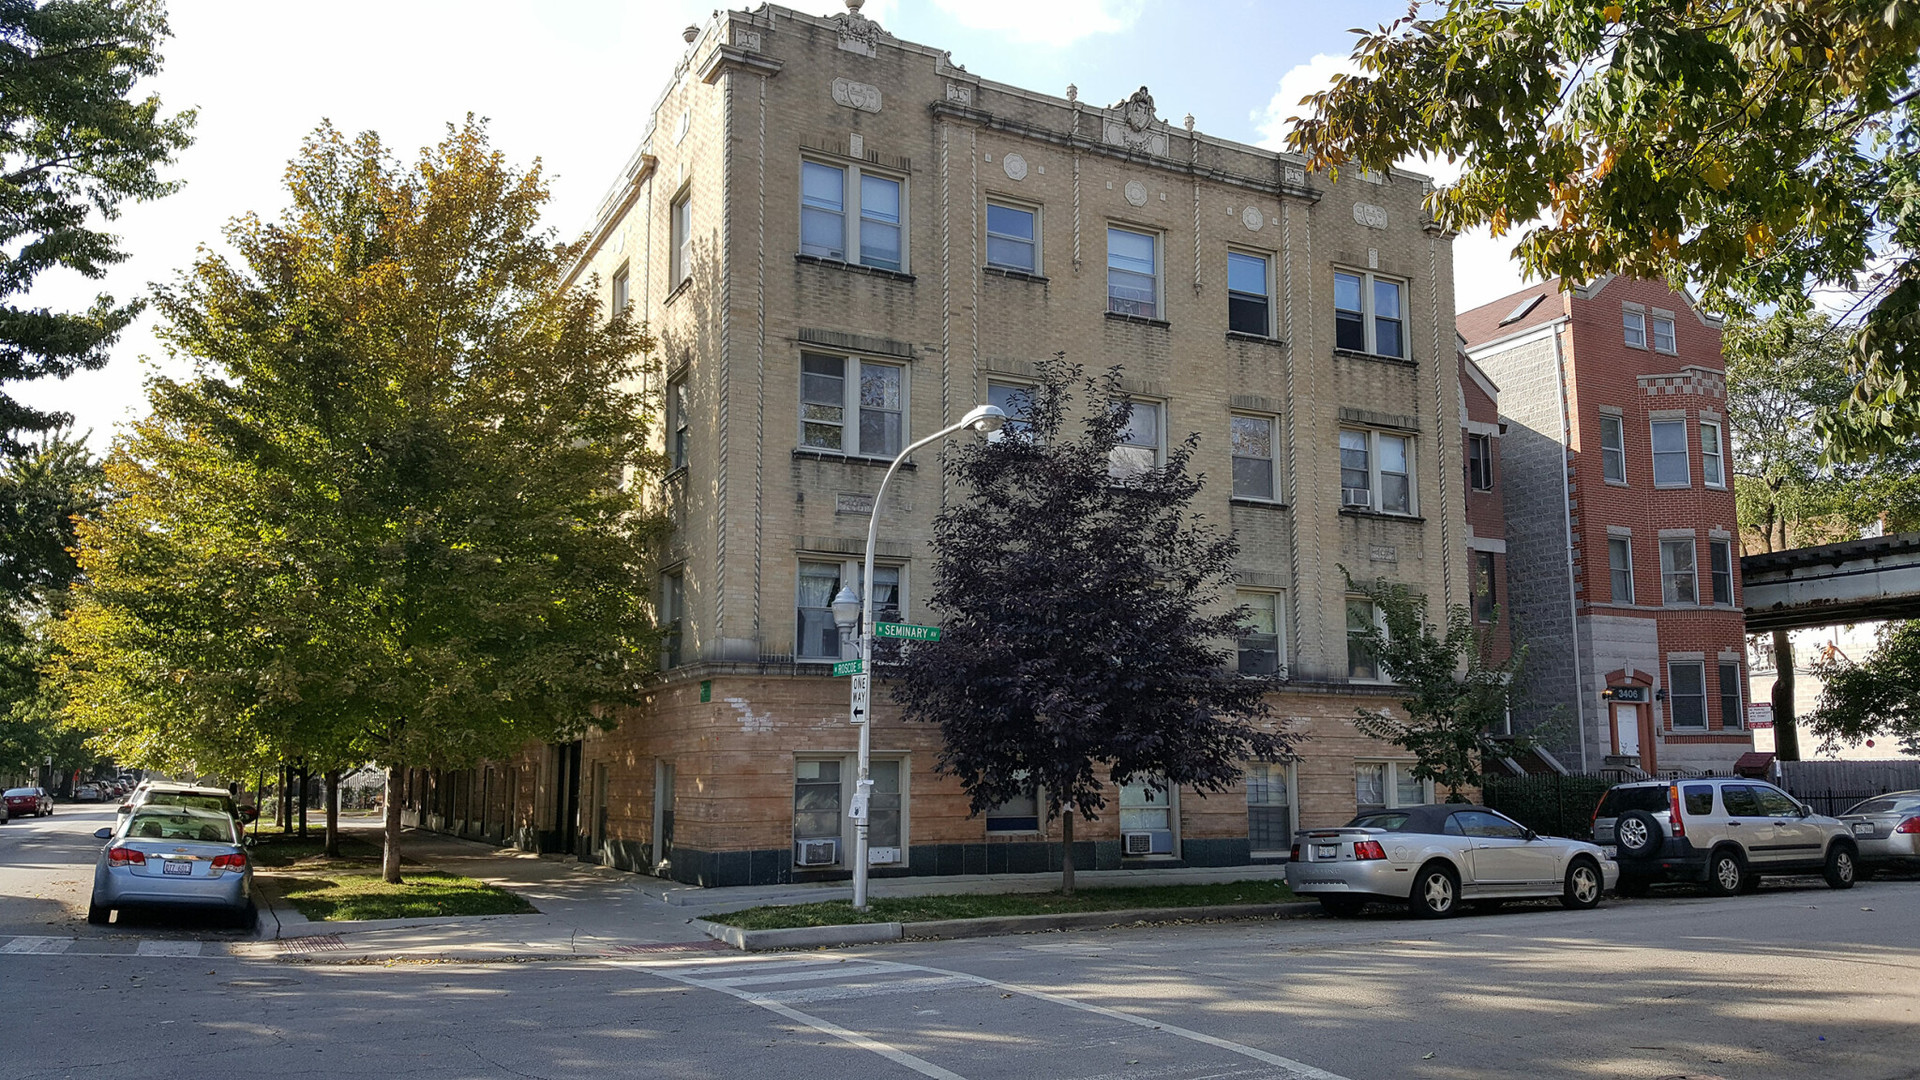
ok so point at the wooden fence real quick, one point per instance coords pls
(1830, 787)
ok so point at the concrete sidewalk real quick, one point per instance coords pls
(587, 910)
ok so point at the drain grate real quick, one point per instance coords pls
(671, 946)
(320, 943)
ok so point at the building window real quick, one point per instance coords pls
(1139, 448)
(828, 398)
(1480, 462)
(1016, 400)
(1013, 238)
(1020, 814)
(1620, 563)
(1636, 327)
(823, 210)
(1133, 268)
(1260, 639)
(1711, 469)
(879, 208)
(1732, 716)
(1613, 449)
(1253, 473)
(622, 290)
(886, 818)
(1376, 471)
(1382, 785)
(1677, 573)
(1366, 315)
(1362, 616)
(1663, 333)
(1484, 600)
(677, 423)
(673, 614)
(816, 800)
(1249, 309)
(1670, 454)
(1687, 694)
(1720, 565)
(681, 222)
(819, 582)
(1146, 812)
(1269, 807)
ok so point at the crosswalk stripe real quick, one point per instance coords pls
(168, 948)
(890, 987)
(848, 971)
(41, 945)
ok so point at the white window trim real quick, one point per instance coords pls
(1738, 721)
(1039, 255)
(1626, 314)
(1159, 239)
(1694, 546)
(1373, 472)
(1279, 628)
(1653, 455)
(850, 410)
(680, 239)
(1012, 383)
(1619, 424)
(1039, 817)
(678, 626)
(1159, 450)
(1633, 587)
(1733, 574)
(1275, 494)
(850, 173)
(1475, 438)
(1673, 333)
(1706, 720)
(1293, 810)
(1346, 636)
(678, 454)
(1719, 455)
(1367, 315)
(1172, 793)
(1391, 788)
(850, 570)
(849, 779)
(621, 281)
(1266, 258)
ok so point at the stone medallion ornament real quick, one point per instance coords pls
(1252, 217)
(1136, 193)
(1132, 124)
(1373, 217)
(1015, 165)
(856, 95)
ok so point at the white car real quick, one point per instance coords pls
(1433, 857)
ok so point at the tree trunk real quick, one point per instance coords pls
(390, 854)
(1786, 736)
(302, 810)
(332, 850)
(1066, 853)
(286, 798)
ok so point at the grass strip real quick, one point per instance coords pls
(996, 905)
(423, 894)
(275, 850)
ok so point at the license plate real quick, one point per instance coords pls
(1326, 851)
(178, 868)
(1862, 828)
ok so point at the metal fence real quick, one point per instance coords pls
(1552, 804)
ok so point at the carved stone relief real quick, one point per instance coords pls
(1296, 175)
(856, 95)
(1373, 217)
(958, 94)
(1136, 127)
(1252, 217)
(1015, 165)
(1136, 193)
(744, 38)
(859, 34)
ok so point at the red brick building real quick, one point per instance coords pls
(1486, 542)
(1622, 541)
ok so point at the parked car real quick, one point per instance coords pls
(1725, 832)
(1887, 828)
(89, 793)
(28, 802)
(174, 856)
(1433, 857)
(165, 793)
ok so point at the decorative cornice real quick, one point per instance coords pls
(725, 58)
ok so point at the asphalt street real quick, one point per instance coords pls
(1795, 981)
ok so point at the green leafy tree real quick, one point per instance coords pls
(74, 146)
(1456, 702)
(1879, 696)
(395, 517)
(1082, 620)
(1756, 150)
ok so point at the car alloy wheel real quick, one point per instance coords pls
(1726, 875)
(1434, 893)
(1637, 833)
(1583, 886)
(1839, 870)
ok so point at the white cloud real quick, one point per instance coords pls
(1311, 77)
(1054, 22)
(1484, 269)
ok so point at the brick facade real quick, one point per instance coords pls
(701, 783)
(1590, 377)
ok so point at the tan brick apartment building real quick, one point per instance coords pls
(1619, 505)
(844, 241)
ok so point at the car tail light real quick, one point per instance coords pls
(1294, 855)
(235, 861)
(1673, 804)
(1909, 827)
(1368, 849)
(125, 856)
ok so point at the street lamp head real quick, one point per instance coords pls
(985, 419)
(846, 608)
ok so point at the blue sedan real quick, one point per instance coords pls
(168, 856)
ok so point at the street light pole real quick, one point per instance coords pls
(985, 419)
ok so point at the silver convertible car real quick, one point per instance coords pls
(165, 856)
(1433, 857)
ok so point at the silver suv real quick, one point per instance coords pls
(1723, 831)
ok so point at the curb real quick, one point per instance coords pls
(814, 937)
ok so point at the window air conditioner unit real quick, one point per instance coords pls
(1355, 497)
(816, 852)
(1136, 843)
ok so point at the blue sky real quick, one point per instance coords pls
(571, 82)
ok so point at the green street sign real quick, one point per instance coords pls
(848, 667)
(906, 631)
